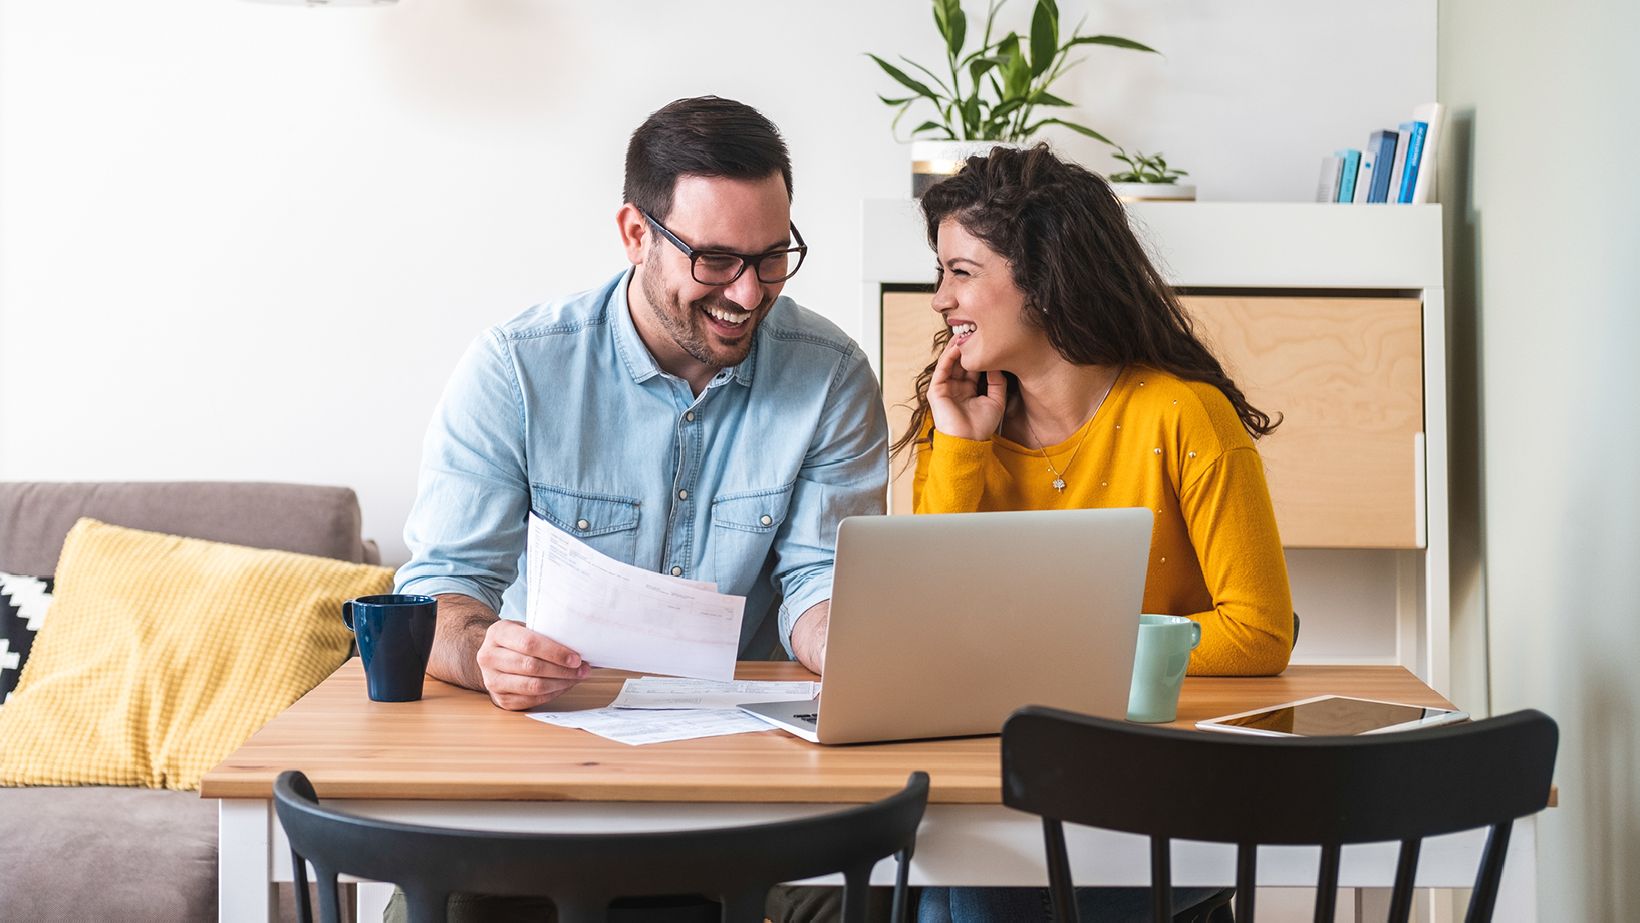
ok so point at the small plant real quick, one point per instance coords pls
(1145, 168)
(1006, 80)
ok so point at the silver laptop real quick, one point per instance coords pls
(943, 625)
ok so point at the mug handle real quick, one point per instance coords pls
(1195, 634)
(347, 615)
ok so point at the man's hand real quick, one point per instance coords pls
(524, 668)
(518, 667)
(809, 636)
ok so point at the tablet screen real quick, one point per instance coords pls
(1331, 717)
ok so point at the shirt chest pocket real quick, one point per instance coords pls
(743, 528)
(605, 522)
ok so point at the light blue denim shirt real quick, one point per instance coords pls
(563, 411)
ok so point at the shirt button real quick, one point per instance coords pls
(766, 520)
(582, 524)
(690, 416)
(683, 495)
(677, 571)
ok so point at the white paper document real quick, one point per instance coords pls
(636, 727)
(616, 615)
(653, 693)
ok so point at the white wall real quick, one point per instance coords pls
(1541, 194)
(249, 241)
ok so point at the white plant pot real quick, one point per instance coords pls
(1154, 192)
(932, 161)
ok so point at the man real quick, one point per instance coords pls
(683, 417)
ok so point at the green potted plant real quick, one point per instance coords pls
(989, 95)
(1149, 178)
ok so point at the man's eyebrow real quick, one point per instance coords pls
(783, 244)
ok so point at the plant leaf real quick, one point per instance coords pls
(1044, 36)
(1016, 75)
(896, 102)
(905, 81)
(1044, 98)
(935, 126)
(1079, 129)
(1114, 41)
(942, 18)
(958, 29)
(938, 80)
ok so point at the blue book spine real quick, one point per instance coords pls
(1346, 183)
(1415, 152)
(1383, 157)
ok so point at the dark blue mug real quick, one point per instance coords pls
(395, 639)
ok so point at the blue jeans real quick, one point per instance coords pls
(1032, 905)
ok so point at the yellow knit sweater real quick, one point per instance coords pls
(1178, 449)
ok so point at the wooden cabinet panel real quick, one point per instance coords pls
(909, 326)
(1347, 374)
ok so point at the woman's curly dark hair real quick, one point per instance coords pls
(1087, 280)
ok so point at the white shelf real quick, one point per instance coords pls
(1228, 244)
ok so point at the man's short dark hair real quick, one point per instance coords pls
(701, 136)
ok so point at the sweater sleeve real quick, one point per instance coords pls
(950, 476)
(1249, 630)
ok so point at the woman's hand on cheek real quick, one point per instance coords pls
(955, 400)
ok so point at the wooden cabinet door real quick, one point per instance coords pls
(909, 326)
(1346, 374)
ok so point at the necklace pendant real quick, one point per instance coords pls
(1059, 484)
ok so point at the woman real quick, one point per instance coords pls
(1069, 377)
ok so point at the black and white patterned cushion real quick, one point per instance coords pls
(23, 602)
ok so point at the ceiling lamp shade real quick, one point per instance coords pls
(327, 2)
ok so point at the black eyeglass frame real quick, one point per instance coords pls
(746, 259)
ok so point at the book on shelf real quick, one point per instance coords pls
(1332, 171)
(1409, 170)
(1398, 169)
(1382, 144)
(1394, 167)
(1364, 176)
(1430, 114)
(1347, 173)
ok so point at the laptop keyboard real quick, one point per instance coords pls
(807, 719)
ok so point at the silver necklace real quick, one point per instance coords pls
(1058, 476)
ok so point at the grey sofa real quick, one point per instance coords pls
(135, 854)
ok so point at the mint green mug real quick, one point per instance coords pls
(1159, 662)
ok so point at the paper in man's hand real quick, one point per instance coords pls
(616, 615)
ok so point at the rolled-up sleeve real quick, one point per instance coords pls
(844, 473)
(470, 519)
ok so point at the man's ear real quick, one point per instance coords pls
(634, 230)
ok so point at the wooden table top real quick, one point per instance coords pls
(455, 745)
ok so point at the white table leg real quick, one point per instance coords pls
(370, 900)
(1517, 892)
(244, 867)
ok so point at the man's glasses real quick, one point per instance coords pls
(719, 267)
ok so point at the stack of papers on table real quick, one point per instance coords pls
(653, 710)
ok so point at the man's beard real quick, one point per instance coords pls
(686, 324)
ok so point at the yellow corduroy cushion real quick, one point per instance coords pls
(162, 654)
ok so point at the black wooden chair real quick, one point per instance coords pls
(1170, 784)
(584, 873)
